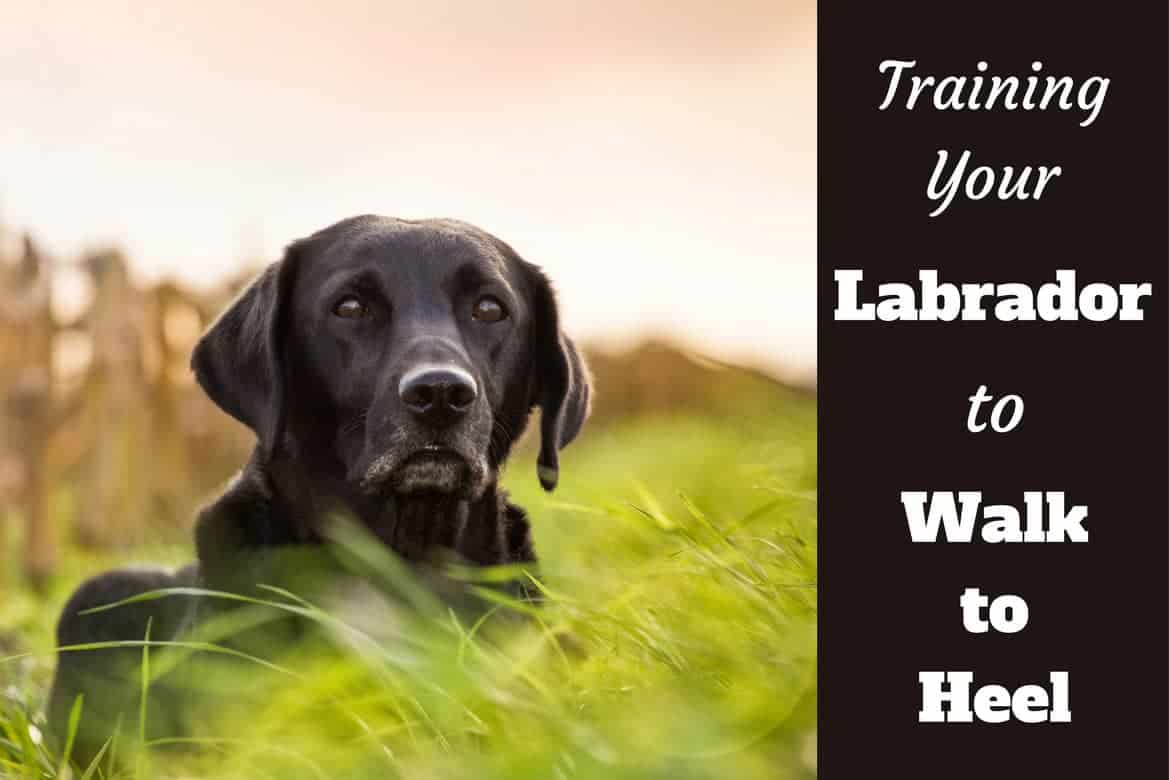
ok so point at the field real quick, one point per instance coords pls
(677, 638)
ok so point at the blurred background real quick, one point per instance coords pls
(658, 159)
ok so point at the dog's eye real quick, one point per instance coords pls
(488, 309)
(350, 308)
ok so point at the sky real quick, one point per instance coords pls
(657, 158)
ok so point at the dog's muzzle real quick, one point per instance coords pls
(436, 470)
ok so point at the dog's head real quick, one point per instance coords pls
(399, 356)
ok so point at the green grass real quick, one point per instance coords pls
(678, 638)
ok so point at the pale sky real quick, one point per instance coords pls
(658, 158)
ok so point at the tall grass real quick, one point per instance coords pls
(677, 638)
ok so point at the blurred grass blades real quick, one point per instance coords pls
(675, 636)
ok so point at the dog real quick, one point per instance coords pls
(386, 367)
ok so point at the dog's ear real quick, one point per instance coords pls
(561, 380)
(239, 361)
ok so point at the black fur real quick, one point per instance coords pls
(323, 395)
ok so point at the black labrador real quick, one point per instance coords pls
(386, 367)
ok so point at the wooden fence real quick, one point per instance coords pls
(104, 440)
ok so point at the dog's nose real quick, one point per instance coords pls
(437, 394)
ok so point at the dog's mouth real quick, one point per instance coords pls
(429, 469)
